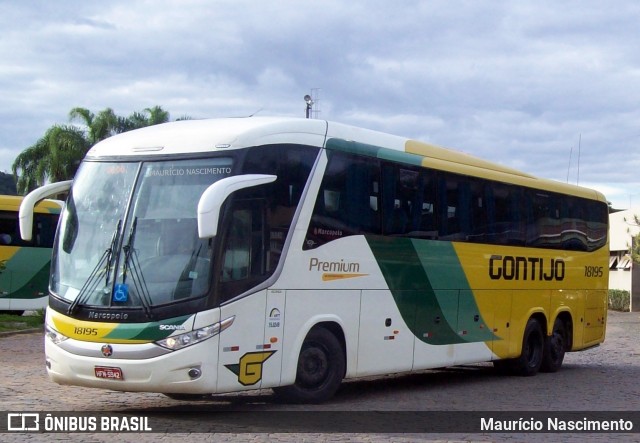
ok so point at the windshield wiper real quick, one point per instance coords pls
(93, 280)
(131, 256)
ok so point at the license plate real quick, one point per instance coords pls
(109, 372)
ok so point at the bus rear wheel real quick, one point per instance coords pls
(530, 359)
(555, 346)
(321, 367)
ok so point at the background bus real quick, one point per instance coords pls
(24, 269)
(214, 256)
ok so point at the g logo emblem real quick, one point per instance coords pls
(249, 368)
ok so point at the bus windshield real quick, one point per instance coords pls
(121, 248)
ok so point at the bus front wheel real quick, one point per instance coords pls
(321, 367)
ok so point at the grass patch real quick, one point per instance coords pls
(30, 320)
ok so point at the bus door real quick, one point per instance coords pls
(243, 354)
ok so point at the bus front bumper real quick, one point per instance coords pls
(191, 370)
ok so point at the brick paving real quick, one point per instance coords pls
(606, 378)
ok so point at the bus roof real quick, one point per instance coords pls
(211, 135)
(12, 203)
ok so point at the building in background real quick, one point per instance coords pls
(622, 273)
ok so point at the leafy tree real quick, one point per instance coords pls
(57, 155)
(99, 126)
(634, 248)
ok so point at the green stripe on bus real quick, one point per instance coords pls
(429, 288)
(146, 331)
(27, 273)
(444, 271)
(374, 151)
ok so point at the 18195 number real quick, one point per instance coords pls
(593, 271)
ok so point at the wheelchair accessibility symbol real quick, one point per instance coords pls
(121, 293)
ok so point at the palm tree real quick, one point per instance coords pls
(149, 117)
(157, 115)
(54, 157)
(99, 126)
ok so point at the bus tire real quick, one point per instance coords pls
(530, 359)
(321, 367)
(555, 346)
(503, 367)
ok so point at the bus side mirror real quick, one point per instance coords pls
(214, 196)
(28, 203)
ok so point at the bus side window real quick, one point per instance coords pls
(348, 200)
(237, 253)
(402, 199)
(449, 207)
(8, 228)
(45, 230)
(545, 225)
(504, 214)
(245, 246)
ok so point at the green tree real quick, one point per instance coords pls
(98, 126)
(54, 157)
(57, 155)
(634, 248)
(148, 117)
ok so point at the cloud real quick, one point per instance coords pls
(524, 84)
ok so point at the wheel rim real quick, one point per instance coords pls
(313, 367)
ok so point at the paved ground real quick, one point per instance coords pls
(602, 379)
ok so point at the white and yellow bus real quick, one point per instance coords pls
(24, 265)
(213, 256)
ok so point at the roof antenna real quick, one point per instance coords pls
(569, 168)
(256, 112)
(579, 142)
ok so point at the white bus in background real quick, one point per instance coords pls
(24, 265)
(212, 256)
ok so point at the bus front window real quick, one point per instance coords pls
(162, 258)
(93, 213)
(151, 255)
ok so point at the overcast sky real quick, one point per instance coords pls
(530, 84)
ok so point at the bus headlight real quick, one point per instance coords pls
(54, 335)
(180, 341)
